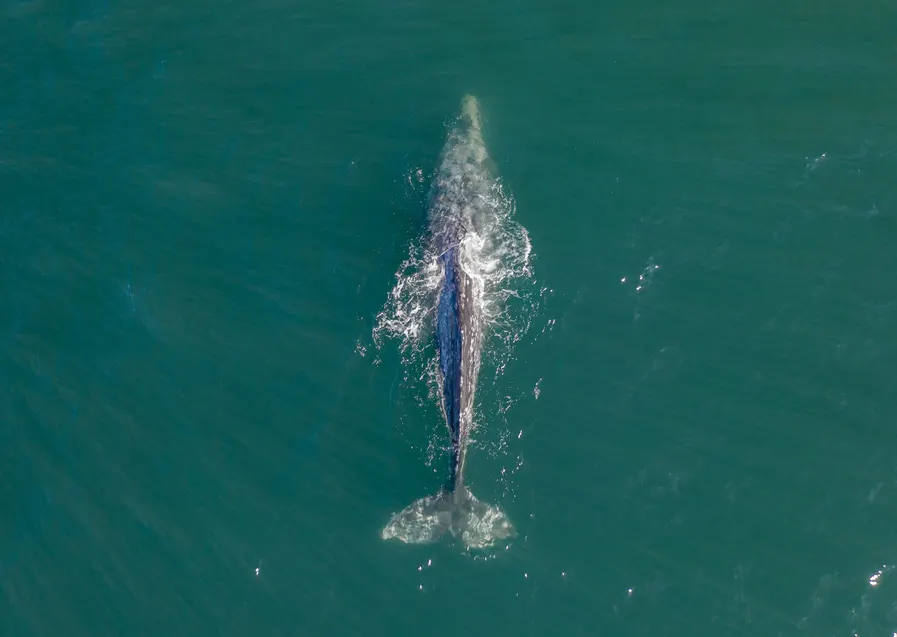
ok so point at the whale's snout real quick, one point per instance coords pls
(470, 109)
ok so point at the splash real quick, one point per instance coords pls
(496, 254)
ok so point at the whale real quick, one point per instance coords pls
(455, 210)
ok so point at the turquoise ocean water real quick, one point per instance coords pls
(690, 415)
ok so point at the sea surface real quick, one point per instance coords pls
(210, 215)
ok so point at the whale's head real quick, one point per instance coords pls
(470, 110)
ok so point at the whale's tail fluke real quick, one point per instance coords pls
(477, 524)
